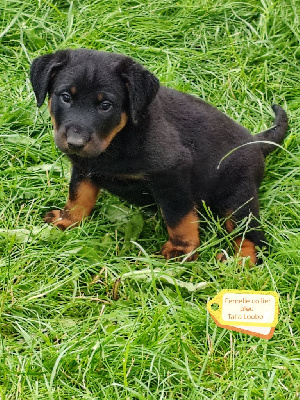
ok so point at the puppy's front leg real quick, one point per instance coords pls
(83, 195)
(175, 200)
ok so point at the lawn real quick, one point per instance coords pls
(69, 328)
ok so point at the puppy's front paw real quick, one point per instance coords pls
(169, 251)
(59, 218)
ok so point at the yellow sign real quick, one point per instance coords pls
(251, 312)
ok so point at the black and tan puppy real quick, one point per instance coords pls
(146, 143)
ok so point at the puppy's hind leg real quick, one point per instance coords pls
(245, 245)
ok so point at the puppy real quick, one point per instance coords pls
(147, 143)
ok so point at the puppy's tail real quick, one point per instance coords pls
(274, 134)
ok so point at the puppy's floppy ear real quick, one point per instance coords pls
(142, 86)
(43, 70)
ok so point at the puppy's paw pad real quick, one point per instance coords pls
(53, 216)
(171, 251)
(58, 218)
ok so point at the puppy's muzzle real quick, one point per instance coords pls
(77, 138)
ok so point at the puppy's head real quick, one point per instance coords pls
(92, 96)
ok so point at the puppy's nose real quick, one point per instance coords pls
(76, 139)
(75, 143)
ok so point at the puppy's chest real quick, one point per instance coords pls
(112, 168)
(119, 182)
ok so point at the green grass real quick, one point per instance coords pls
(62, 334)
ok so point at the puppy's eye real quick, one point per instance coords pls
(66, 98)
(105, 105)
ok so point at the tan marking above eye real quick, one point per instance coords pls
(73, 89)
(100, 97)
